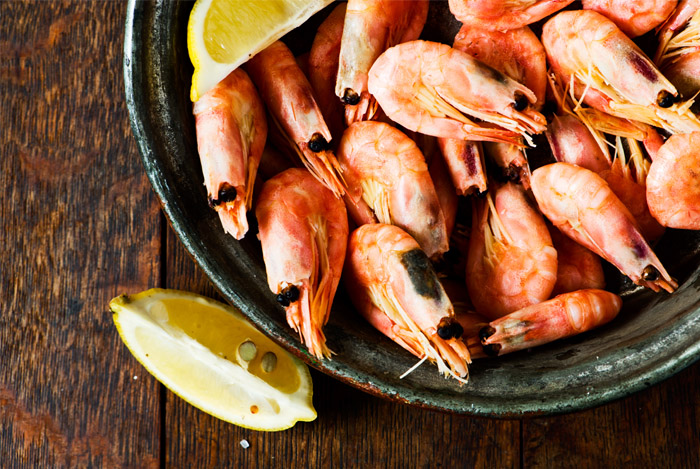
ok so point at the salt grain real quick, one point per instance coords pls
(245, 444)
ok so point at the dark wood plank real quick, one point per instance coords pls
(353, 429)
(658, 427)
(79, 226)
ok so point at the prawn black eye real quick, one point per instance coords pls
(288, 296)
(491, 350)
(350, 97)
(520, 103)
(665, 99)
(512, 173)
(449, 328)
(226, 194)
(292, 294)
(486, 332)
(317, 143)
(281, 299)
(650, 274)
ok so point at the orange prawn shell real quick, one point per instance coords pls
(673, 183)
(323, 69)
(517, 52)
(502, 16)
(563, 316)
(284, 87)
(285, 209)
(522, 270)
(684, 73)
(303, 230)
(572, 142)
(374, 252)
(393, 285)
(434, 93)
(581, 204)
(610, 73)
(377, 151)
(634, 18)
(578, 268)
(371, 27)
(231, 133)
(633, 195)
(573, 39)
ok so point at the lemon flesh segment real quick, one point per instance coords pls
(192, 345)
(223, 34)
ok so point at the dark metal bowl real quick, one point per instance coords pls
(655, 335)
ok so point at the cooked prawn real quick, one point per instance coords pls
(440, 175)
(633, 17)
(511, 262)
(323, 68)
(290, 101)
(627, 179)
(518, 53)
(578, 268)
(386, 172)
(679, 19)
(504, 15)
(393, 285)
(577, 138)
(673, 183)
(465, 163)
(563, 316)
(512, 161)
(303, 232)
(680, 58)
(428, 87)
(573, 142)
(371, 27)
(598, 122)
(610, 73)
(231, 132)
(684, 73)
(582, 205)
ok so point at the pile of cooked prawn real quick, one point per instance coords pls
(368, 144)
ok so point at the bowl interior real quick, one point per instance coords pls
(654, 336)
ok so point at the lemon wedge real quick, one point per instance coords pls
(223, 34)
(209, 355)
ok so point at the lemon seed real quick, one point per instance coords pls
(247, 350)
(269, 362)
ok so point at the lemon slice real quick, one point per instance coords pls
(209, 355)
(222, 34)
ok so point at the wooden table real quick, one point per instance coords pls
(80, 225)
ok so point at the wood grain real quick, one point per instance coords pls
(353, 429)
(658, 427)
(79, 226)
